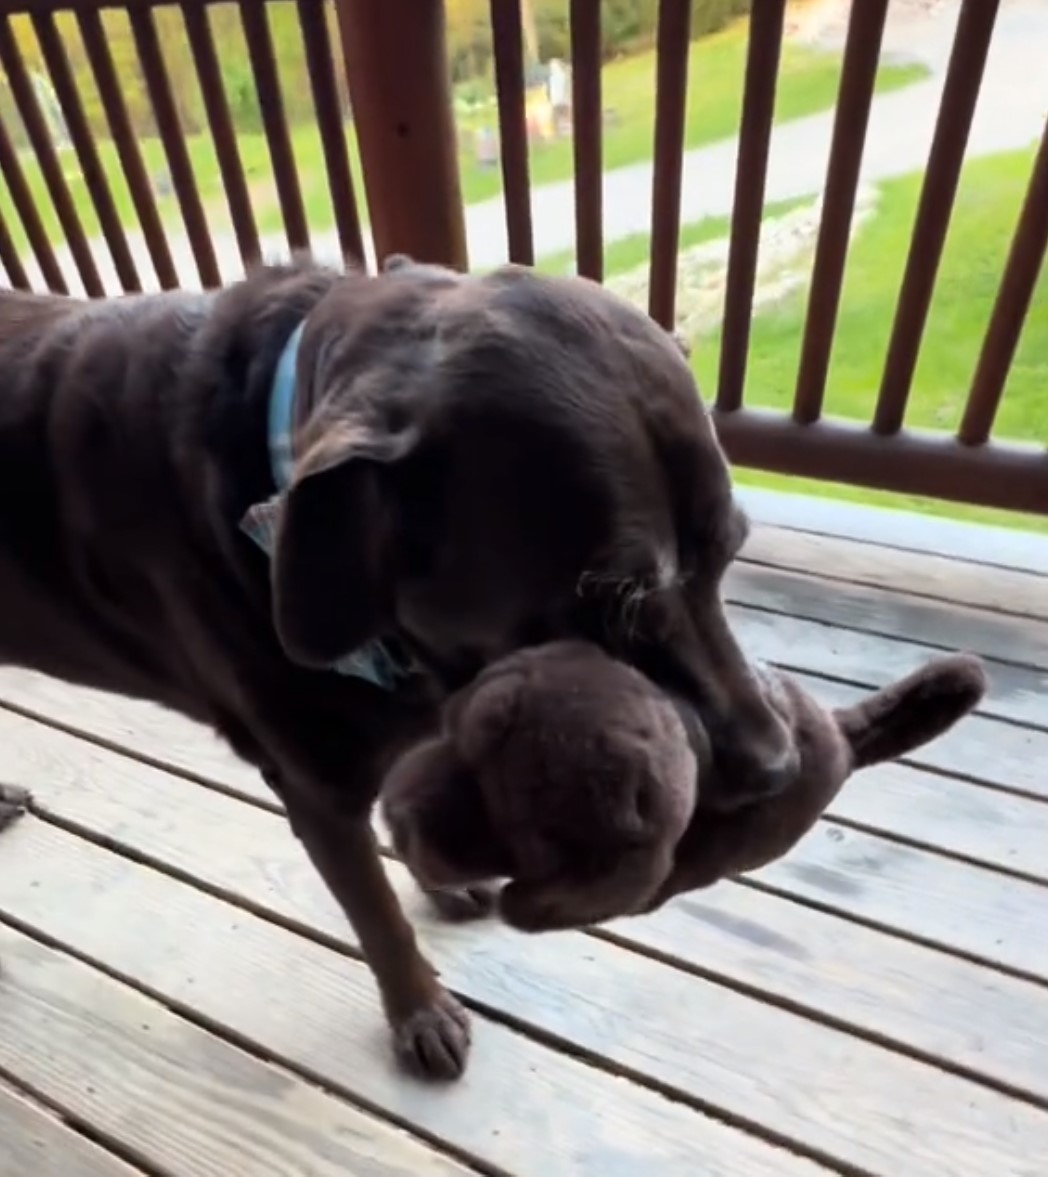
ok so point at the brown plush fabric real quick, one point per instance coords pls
(547, 763)
(565, 771)
(833, 745)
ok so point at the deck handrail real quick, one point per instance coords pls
(392, 57)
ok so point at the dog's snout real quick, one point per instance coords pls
(755, 764)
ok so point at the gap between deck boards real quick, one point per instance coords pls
(206, 838)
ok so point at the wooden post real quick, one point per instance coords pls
(397, 72)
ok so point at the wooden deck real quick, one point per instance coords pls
(180, 997)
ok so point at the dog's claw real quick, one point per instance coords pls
(465, 904)
(433, 1042)
(13, 803)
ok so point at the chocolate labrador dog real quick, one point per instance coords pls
(303, 508)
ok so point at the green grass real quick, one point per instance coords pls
(629, 253)
(984, 219)
(808, 83)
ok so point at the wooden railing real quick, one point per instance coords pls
(392, 54)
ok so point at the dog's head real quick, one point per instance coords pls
(563, 771)
(492, 462)
(833, 744)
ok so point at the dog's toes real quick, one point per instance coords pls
(433, 1042)
(468, 903)
(13, 803)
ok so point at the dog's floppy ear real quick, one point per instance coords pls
(333, 554)
(914, 710)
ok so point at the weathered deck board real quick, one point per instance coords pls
(876, 526)
(982, 749)
(876, 1003)
(993, 829)
(928, 1002)
(1000, 831)
(150, 733)
(1017, 640)
(570, 987)
(955, 905)
(997, 590)
(35, 1143)
(1015, 693)
(522, 1107)
(182, 1100)
(1001, 753)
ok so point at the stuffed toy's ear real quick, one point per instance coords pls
(914, 710)
(437, 818)
(481, 717)
(333, 575)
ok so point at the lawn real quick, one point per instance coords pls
(988, 203)
(808, 83)
(628, 253)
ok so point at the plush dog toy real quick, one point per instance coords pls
(566, 772)
(574, 777)
(832, 744)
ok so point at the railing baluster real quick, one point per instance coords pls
(960, 93)
(859, 73)
(587, 136)
(316, 40)
(1013, 302)
(57, 61)
(154, 71)
(227, 149)
(47, 157)
(271, 102)
(25, 206)
(508, 43)
(758, 112)
(10, 260)
(96, 46)
(671, 92)
(405, 127)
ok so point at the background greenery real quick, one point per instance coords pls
(989, 199)
(808, 83)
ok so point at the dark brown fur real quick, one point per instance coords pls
(560, 769)
(833, 745)
(538, 777)
(483, 463)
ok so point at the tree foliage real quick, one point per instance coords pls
(627, 25)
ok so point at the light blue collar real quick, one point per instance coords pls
(282, 409)
(372, 662)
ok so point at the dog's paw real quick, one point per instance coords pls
(465, 904)
(433, 1042)
(13, 803)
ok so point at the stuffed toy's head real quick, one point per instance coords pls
(832, 744)
(559, 769)
(574, 777)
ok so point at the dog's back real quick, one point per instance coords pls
(79, 473)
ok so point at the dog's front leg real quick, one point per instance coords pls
(430, 1027)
